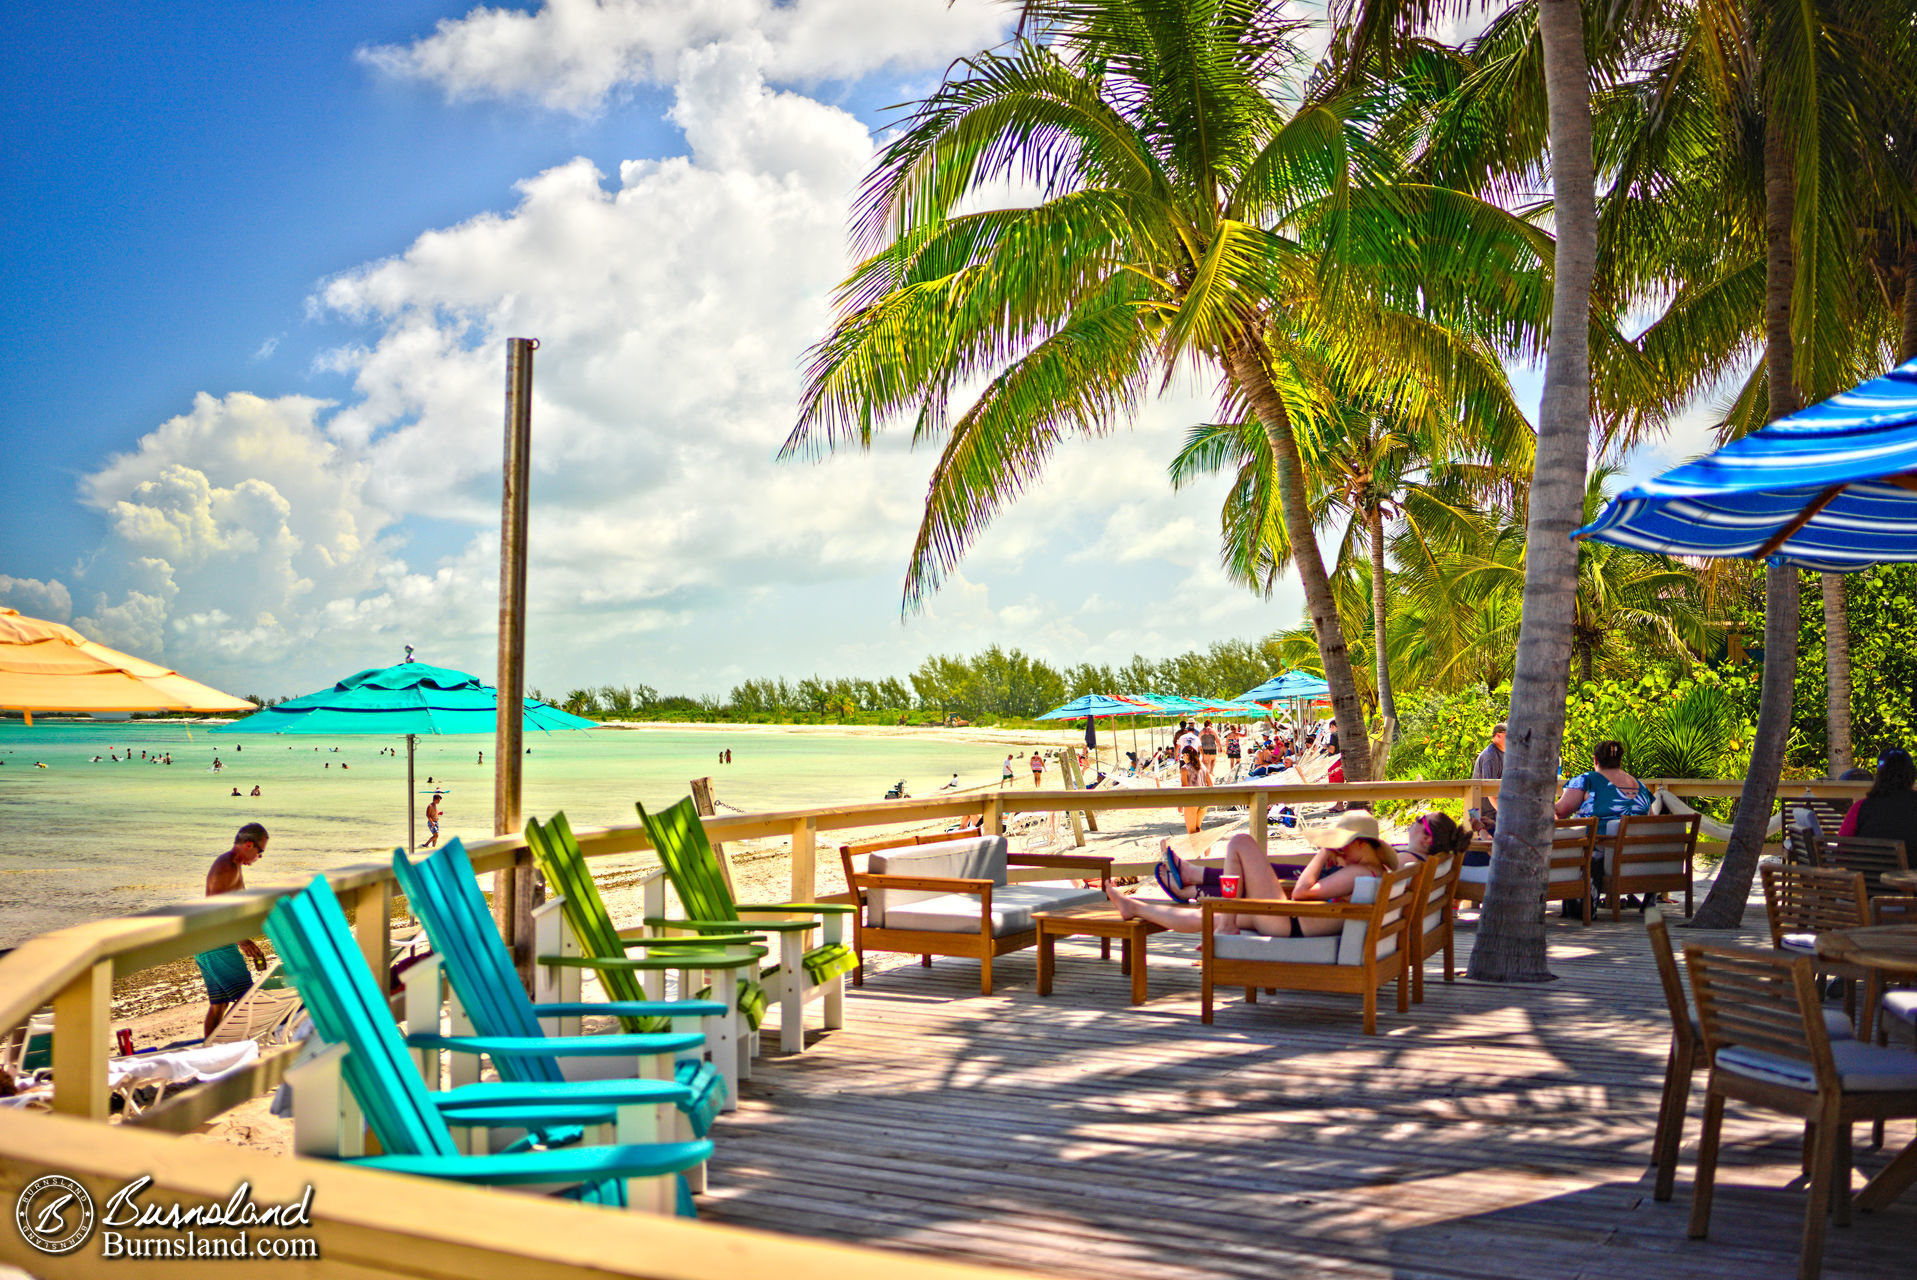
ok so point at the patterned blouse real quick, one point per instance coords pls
(1602, 799)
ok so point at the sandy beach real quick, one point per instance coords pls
(164, 1005)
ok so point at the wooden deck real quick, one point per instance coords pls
(1496, 1131)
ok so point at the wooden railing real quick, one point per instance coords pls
(368, 1224)
(73, 968)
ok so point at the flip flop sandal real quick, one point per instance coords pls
(1165, 882)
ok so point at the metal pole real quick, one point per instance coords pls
(412, 799)
(513, 890)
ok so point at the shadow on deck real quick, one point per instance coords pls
(1494, 1131)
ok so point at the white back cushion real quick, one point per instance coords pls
(979, 858)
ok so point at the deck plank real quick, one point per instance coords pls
(1492, 1131)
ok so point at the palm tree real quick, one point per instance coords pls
(1762, 157)
(1186, 220)
(1510, 943)
(1372, 461)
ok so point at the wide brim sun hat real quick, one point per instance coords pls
(1342, 830)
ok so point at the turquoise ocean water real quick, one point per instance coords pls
(81, 841)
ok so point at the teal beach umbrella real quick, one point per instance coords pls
(404, 700)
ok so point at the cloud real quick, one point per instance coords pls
(50, 600)
(270, 544)
(573, 55)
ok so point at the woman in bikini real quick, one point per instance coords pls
(1193, 773)
(1348, 850)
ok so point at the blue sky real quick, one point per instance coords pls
(258, 264)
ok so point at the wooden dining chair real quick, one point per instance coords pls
(1687, 1053)
(1685, 1058)
(1802, 902)
(1869, 858)
(1761, 1020)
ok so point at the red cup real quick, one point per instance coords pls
(126, 1042)
(1228, 886)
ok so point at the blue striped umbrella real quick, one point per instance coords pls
(1831, 488)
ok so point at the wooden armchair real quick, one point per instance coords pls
(1431, 928)
(1760, 1016)
(1368, 952)
(953, 897)
(1651, 853)
(1569, 874)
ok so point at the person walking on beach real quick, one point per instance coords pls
(1005, 774)
(223, 969)
(1208, 747)
(1038, 769)
(432, 822)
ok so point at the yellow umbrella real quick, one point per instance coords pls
(45, 666)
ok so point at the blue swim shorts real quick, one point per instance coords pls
(226, 974)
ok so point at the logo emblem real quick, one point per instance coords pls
(55, 1214)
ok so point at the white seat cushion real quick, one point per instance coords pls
(1865, 1068)
(1475, 875)
(1256, 946)
(1806, 942)
(1012, 908)
(1901, 1005)
(979, 858)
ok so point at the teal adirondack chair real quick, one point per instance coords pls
(802, 973)
(469, 954)
(366, 1054)
(575, 932)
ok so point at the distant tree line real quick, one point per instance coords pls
(993, 684)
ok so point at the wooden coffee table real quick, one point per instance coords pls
(1099, 920)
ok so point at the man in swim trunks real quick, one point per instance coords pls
(432, 822)
(224, 968)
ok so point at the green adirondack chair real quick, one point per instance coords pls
(471, 958)
(802, 973)
(366, 1054)
(574, 932)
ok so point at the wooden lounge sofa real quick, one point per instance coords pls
(1651, 853)
(952, 897)
(1367, 953)
(1570, 873)
(1431, 928)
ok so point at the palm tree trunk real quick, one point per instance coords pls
(1584, 664)
(1908, 349)
(1253, 376)
(1510, 943)
(1837, 671)
(1724, 908)
(1387, 704)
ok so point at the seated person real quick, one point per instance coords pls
(1888, 810)
(1437, 832)
(1348, 850)
(1605, 792)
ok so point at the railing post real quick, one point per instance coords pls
(81, 1015)
(373, 926)
(804, 859)
(994, 815)
(1260, 803)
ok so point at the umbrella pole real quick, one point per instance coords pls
(412, 800)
